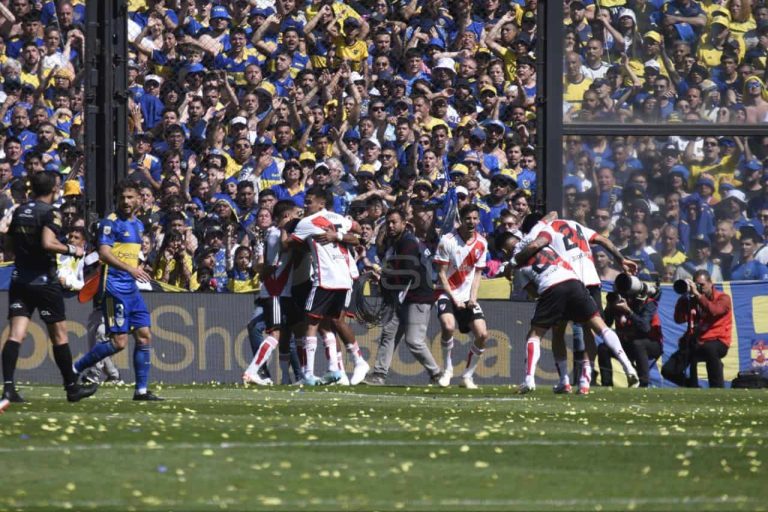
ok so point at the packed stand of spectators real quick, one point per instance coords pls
(235, 104)
(671, 61)
(41, 104)
(673, 204)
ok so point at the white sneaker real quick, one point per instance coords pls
(255, 379)
(344, 380)
(467, 382)
(633, 381)
(445, 379)
(359, 373)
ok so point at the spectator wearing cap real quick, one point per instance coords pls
(714, 42)
(575, 83)
(350, 47)
(493, 151)
(747, 268)
(150, 103)
(267, 168)
(496, 201)
(699, 257)
(733, 206)
(292, 186)
(579, 21)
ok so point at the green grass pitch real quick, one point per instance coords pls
(393, 448)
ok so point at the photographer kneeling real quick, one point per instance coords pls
(634, 310)
(708, 314)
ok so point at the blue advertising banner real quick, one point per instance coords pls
(749, 348)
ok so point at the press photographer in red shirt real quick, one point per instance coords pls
(708, 314)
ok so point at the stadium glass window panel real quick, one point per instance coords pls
(627, 65)
(695, 196)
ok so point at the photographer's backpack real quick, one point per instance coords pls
(752, 379)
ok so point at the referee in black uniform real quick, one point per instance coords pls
(34, 236)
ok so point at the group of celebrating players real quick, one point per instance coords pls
(308, 277)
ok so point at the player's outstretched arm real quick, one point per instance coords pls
(51, 244)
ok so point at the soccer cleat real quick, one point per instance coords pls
(467, 382)
(13, 396)
(435, 379)
(359, 373)
(76, 392)
(330, 378)
(525, 388)
(4, 404)
(445, 379)
(256, 379)
(344, 380)
(147, 397)
(90, 376)
(309, 380)
(375, 380)
(633, 381)
(562, 389)
(583, 390)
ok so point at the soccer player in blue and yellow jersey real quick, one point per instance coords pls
(119, 244)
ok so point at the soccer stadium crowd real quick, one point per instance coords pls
(238, 104)
(656, 61)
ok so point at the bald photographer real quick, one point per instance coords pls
(707, 312)
(633, 308)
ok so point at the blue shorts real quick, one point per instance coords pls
(125, 313)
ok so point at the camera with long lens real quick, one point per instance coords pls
(630, 286)
(681, 287)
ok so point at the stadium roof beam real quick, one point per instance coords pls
(680, 129)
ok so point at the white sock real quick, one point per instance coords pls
(262, 355)
(533, 352)
(447, 346)
(310, 347)
(473, 359)
(562, 371)
(331, 352)
(354, 350)
(612, 340)
(585, 379)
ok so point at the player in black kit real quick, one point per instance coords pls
(34, 236)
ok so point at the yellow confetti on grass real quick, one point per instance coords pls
(464, 448)
(481, 464)
(208, 452)
(71, 487)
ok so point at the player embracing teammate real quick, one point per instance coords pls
(556, 265)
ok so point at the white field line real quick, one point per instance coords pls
(363, 443)
(272, 504)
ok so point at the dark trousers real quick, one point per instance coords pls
(711, 352)
(639, 352)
